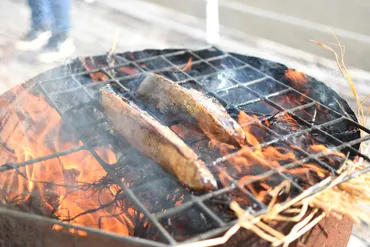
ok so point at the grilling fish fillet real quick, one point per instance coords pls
(170, 98)
(155, 140)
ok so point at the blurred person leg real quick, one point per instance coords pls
(39, 31)
(60, 45)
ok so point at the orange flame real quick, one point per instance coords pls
(32, 129)
(244, 164)
(297, 77)
(99, 76)
(89, 65)
(188, 64)
(58, 186)
(128, 70)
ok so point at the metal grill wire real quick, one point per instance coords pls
(199, 57)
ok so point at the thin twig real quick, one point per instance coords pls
(112, 50)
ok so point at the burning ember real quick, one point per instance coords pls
(258, 134)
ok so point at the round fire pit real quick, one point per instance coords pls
(65, 167)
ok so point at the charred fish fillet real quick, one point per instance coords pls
(155, 140)
(170, 98)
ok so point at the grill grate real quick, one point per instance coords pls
(257, 88)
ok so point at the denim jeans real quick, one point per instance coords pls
(51, 13)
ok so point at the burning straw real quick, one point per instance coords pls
(340, 196)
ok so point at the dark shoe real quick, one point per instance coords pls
(58, 47)
(33, 40)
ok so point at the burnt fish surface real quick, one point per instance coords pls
(156, 141)
(170, 98)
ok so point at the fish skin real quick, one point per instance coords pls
(155, 141)
(172, 99)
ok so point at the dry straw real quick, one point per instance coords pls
(340, 196)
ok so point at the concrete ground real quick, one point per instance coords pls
(276, 30)
(294, 23)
